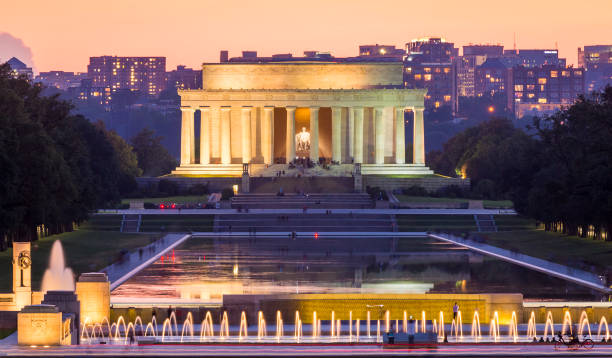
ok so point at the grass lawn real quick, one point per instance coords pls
(497, 204)
(172, 199)
(5, 332)
(568, 250)
(85, 251)
(433, 222)
(514, 222)
(176, 223)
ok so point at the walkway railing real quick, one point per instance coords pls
(578, 276)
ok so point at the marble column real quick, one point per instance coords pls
(400, 134)
(358, 143)
(314, 134)
(418, 144)
(245, 126)
(351, 133)
(267, 134)
(186, 135)
(226, 150)
(379, 132)
(336, 134)
(290, 145)
(205, 135)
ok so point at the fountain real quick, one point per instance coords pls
(549, 324)
(475, 333)
(531, 326)
(57, 277)
(603, 323)
(567, 323)
(582, 322)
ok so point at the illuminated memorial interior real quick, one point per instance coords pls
(271, 114)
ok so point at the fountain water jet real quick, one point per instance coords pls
(243, 330)
(57, 277)
(531, 326)
(494, 327)
(513, 327)
(279, 325)
(224, 328)
(567, 322)
(261, 326)
(583, 321)
(603, 323)
(549, 323)
(476, 327)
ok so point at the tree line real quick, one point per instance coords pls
(558, 170)
(56, 167)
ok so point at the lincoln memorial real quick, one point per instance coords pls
(272, 114)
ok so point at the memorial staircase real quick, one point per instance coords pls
(301, 201)
(260, 223)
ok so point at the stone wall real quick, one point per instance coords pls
(215, 184)
(431, 183)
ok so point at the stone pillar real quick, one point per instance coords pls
(418, 144)
(400, 134)
(187, 135)
(226, 150)
(246, 133)
(336, 134)
(267, 134)
(204, 135)
(290, 145)
(358, 143)
(351, 133)
(314, 134)
(379, 130)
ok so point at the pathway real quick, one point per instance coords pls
(313, 211)
(137, 260)
(578, 276)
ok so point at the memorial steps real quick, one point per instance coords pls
(301, 201)
(303, 222)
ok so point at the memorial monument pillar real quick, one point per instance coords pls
(187, 145)
(336, 134)
(418, 143)
(246, 133)
(290, 138)
(226, 153)
(379, 132)
(267, 134)
(358, 143)
(400, 134)
(314, 134)
(204, 135)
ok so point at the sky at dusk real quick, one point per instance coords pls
(63, 34)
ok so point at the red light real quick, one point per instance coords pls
(161, 206)
(173, 206)
(162, 259)
(316, 235)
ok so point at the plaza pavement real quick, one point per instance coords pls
(312, 211)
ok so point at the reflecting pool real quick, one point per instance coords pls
(203, 269)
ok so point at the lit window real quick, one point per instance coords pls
(554, 74)
(446, 70)
(427, 69)
(437, 70)
(530, 95)
(541, 100)
(530, 87)
(417, 77)
(518, 87)
(428, 77)
(447, 98)
(437, 104)
(408, 69)
(542, 81)
(565, 73)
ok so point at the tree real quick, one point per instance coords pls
(153, 158)
(127, 158)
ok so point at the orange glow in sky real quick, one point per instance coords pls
(62, 34)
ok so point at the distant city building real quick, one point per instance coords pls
(110, 74)
(184, 78)
(60, 79)
(543, 89)
(19, 68)
(597, 60)
(473, 56)
(491, 78)
(388, 51)
(533, 58)
(430, 63)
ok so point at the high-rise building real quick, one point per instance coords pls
(597, 60)
(532, 58)
(110, 74)
(61, 79)
(19, 68)
(473, 56)
(491, 78)
(184, 78)
(430, 63)
(543, 89)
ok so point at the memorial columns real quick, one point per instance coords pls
(187, 142)
(358, 151)
(351, 133)
(246, 133)
(400, 134)
(418, 144)
(204, 135)
(267, 134)
(379, 132)
(314, 134)
(290, 145)
(336, 134)
(226, 153)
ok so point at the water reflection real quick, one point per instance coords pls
(203, 269)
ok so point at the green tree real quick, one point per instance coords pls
(153, 158)
(128, 160)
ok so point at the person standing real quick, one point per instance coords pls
(455, 311)
(411, 330)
